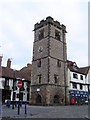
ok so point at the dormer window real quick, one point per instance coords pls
(75, 68)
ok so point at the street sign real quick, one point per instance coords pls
(19, 84)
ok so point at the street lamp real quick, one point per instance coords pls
(13, 89)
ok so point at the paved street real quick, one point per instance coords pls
(47, 112)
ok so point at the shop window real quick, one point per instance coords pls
(58, 63)
(75, 75)
(74, 85)
(57, 35)
(56, 78)
(81, 77)
(41, 34)
(39, 63)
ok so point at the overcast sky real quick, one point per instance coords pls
(17, 19)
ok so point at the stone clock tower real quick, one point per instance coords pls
(49, 78)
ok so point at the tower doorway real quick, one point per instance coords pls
(56, 99)
(38, 99)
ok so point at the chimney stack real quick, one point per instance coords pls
(0, 61)
(9, 63)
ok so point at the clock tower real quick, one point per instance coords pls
(49, 77)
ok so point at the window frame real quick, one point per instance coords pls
(56, 78)
(81, 77)
(74, 85)
(75, 75)
(81, 87)
(39, 78)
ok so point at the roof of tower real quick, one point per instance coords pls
(49, 20)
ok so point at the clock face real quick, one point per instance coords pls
(40, 49)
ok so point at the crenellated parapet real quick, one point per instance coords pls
(49, 20)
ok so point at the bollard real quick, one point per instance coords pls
(20, 103)
(16, 104)
(25, 109)
(8, 104)
(18, 107)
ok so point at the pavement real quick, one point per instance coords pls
(46, 112)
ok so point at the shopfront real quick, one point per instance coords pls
(78, 97)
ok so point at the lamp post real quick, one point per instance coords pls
(13, 89)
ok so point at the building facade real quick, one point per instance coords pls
(78, 83)
(49, 78)
(8, 83)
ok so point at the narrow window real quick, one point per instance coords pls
(56, 78)
(39, 78)
(39, 63)
(81, 77)
(3, 83)
(17, 95)
(81, 87)
(58, 63)
(75, 75)
(6, 82)
(57, 35)
(74, 85)
(41, 34)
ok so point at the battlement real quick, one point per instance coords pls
(49, 20)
